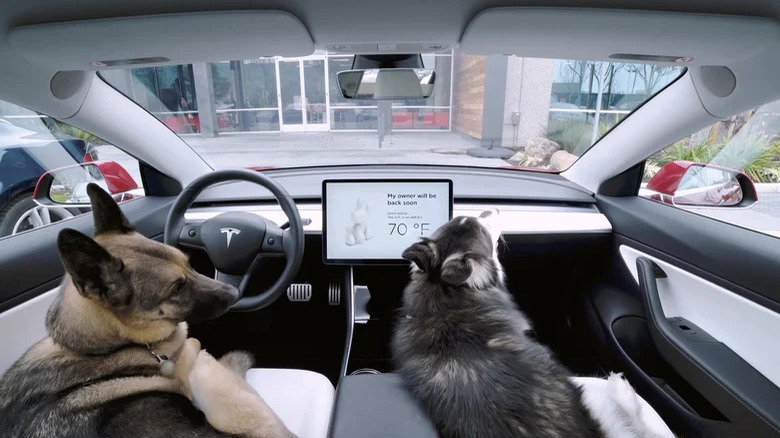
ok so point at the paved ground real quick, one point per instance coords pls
(290, 149)
(768, 203)
(296, 149)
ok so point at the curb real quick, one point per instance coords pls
(767, 187)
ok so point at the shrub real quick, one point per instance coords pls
(60, 129)
(574, 136)
(753, 154)
(681, 150)
(756, 155)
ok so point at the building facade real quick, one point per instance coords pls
(499, 100)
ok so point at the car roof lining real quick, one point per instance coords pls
(131, 40)
(605, 34)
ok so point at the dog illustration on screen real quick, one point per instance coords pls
(359, 231)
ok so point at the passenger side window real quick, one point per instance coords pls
(729, 171)
(33, 144)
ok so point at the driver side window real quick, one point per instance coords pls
(32, 144)
(729, 171)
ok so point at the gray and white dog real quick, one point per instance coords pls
(462, 347)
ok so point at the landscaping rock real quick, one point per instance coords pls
(518, 159)
(561, 160)
(539, 150)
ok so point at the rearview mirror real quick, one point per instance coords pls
(67, 186)
(688, 183)
(386, 83)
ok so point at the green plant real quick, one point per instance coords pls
(682, 150)
(574, 136)
(651, 168)
(60, 129)
(753, 154)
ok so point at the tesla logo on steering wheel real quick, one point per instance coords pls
(229, 233)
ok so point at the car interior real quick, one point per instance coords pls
(686, 305)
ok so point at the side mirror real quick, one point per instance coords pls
(386, 83)
(698, 184)
(67, 186)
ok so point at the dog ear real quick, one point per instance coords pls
(106, 213)
(90, 266)
(456, 270)
(423, 254)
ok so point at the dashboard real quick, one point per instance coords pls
(468, 183)
(550, 226)
(529, 203)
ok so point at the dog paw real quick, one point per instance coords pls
(229, 403)
(185, 362)
(238, 361)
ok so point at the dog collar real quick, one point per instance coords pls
(166, 364)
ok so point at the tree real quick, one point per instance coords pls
(651, 75)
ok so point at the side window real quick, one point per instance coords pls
(32, 145)
(729, 171)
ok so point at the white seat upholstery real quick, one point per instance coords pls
(620, 411)
(302, 399)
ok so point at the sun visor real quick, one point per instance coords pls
(162, 39)
(620, 35)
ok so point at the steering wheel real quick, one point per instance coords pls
(237, 241)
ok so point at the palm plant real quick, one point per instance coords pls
(682, 150)
(754, 154)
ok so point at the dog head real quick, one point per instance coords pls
(149, 287)
(461, 252)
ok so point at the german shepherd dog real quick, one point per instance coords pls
(462, 345)
(117, 362)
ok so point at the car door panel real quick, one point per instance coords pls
(624, 343)
(730, 254)
(705, 352)
(737, 322)
(30, 315)
(736, 388)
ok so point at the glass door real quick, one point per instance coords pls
(314, 90)
(291, 89)
(303, 94)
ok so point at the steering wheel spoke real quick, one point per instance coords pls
(233, 280)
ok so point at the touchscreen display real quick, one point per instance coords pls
(373, 221)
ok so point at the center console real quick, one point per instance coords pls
(377, 406)
(364, 223)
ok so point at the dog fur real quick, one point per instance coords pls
(94, 376)
(462, 346)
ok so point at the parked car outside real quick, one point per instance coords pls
(24, 156)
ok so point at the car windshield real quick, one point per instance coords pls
(485, 111)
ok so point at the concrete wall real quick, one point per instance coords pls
(528, 90)
(468, 94)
